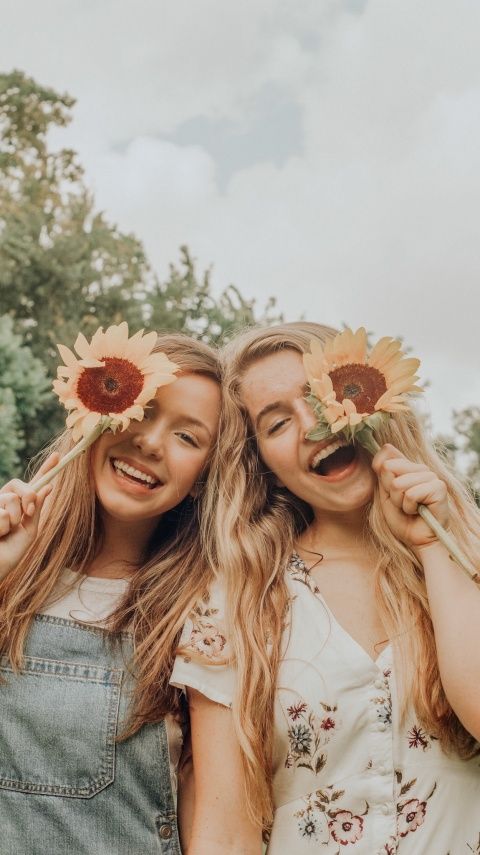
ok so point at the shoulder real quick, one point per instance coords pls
(204, 660)
(205, 634)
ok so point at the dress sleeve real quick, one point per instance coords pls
(203, 661)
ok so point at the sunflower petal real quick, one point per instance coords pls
(82, 347)
(90, 421)
(74, 416)
(355, 419)
(68, 357)
(338, 425)
(312, 366)
(349, 406)
(158, 362)
(134, 412)
(97, 344)
(70, 403)
(115, 340)
(146, 395)
(64, 371)
(139, 349)
(359, 351)
(119, 421)
(322, 388)
(91, 363)
(404, 368)
(383, 351)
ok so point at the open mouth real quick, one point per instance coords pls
(133, 475)
(334, 459)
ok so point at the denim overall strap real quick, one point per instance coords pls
(66, 784)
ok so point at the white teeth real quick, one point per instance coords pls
(326, 452)
(134, 473)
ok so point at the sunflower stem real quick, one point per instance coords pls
(74, 452)
(443, 535)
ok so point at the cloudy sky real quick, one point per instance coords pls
(326, 152)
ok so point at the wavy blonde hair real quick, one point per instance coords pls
(255, 527)
(173, 573)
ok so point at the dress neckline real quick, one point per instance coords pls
(299, 571)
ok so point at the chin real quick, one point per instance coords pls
(362, 496)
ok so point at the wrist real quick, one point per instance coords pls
(426, 551)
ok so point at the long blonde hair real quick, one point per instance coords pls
(256, 524)
(173, 574)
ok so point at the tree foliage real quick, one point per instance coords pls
(64, 267)
(24, 393)
(467, 426)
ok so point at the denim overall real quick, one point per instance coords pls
(66, 786)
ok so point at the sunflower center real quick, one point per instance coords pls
(112, 388)
(362, 384)
(111, 385)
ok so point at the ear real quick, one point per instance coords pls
(194, 492)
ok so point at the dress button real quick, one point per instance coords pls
(382, 726)
(165, 831)
(386, 809)
(379, 684)
(382, 770)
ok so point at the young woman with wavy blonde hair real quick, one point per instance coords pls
(339, 631)
(94, 591)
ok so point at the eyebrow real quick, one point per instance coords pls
(276, 405)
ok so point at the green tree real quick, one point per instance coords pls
(185, 302)
(24, 393)
(65, 268)
(467, 428)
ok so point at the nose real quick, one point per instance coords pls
(148, 439)
(307, 417)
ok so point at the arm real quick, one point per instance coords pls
(455, 610)
(186, 794)
(221, 825)
(454, 601)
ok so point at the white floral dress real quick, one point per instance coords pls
(347, 776)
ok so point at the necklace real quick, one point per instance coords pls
(319, 555)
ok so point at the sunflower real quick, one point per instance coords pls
(350, 385)
(112, 381)
(353, 391)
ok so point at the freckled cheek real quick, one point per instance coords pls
(186, 468)
(280, 461)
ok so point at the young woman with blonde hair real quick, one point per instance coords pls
(94, 591)
(341, 634)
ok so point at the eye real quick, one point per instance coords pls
(188, 438)
(276, 426)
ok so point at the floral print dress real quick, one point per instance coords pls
(348, 776)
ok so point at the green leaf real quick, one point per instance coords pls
(319, 432)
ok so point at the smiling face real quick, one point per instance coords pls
(329, 475)
(150, 468)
